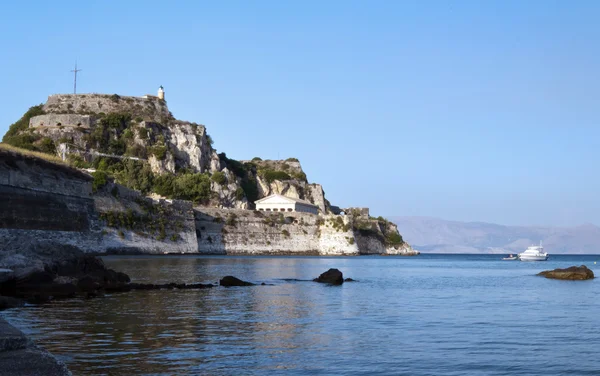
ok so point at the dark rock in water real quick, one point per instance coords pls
(7, 302)
(350, 280)
(142, 286)
(182, 286)
(332, 276)
(6, 274)
(39, 298)
(65, 278)
(61, 291)
(573, 273)
(228, 281)
(8, 287)
(88, 283)
(195, 286)
(35, 278)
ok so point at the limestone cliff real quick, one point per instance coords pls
(90, 127)
(137, 149)
(49, 202)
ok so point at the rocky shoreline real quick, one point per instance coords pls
(19, 356)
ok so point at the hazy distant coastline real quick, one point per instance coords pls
(437, 235)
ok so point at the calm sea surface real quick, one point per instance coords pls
(424, 315)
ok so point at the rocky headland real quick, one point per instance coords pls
(89, 175)
(131, 178)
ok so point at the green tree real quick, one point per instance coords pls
(23, 123)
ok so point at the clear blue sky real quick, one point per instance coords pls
(465, 110)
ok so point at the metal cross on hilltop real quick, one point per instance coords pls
(75, 82)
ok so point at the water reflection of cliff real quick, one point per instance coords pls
(190, 331)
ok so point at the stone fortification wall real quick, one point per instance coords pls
(65, 120)
(226, 231)
(151, 108)
(37, 174)
(47, 202)
(133, 223)
(42, 201)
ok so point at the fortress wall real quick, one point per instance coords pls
(151, 108)
(245, 232)
(67, 120)
(47, 202)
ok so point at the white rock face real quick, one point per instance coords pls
(161, 166)
(227, 193)
(189, 144)
(317, 196)
(403, 250)
(288, 188)
(247, 232)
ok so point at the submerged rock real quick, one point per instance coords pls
(7, 302)
(332, 276)
(6, 274)
(573, 273)
(229, 281)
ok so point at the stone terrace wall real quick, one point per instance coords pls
(43, 201)
(175, 217)
(226, 231)
(147, 108)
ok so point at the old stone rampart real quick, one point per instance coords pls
(65, 120)
(226, 231)
(43, 201)
(48, 202)
(151, 108)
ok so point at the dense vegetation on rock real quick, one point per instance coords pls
(137, 142)
(18, 134)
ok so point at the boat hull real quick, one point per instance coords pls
(533, 258)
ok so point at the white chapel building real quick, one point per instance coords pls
(279, 203)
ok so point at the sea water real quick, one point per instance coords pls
(424, 315)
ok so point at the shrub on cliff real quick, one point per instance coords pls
(193, 187)
(272, 175)
(239, 193)
(243, 171)
(394, 239)
(23, 123)
(300, 176)
(22, 141)
(231, 220)
(46, 145)
(160, 152)
(100, 180)
(219, 178)
(133, 174)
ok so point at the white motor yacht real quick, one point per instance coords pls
(534, 253)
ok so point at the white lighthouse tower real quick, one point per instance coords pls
(161, 93)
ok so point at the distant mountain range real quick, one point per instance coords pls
(436, 235)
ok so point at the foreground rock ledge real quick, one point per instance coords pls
(573, 273)
(19, 356)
